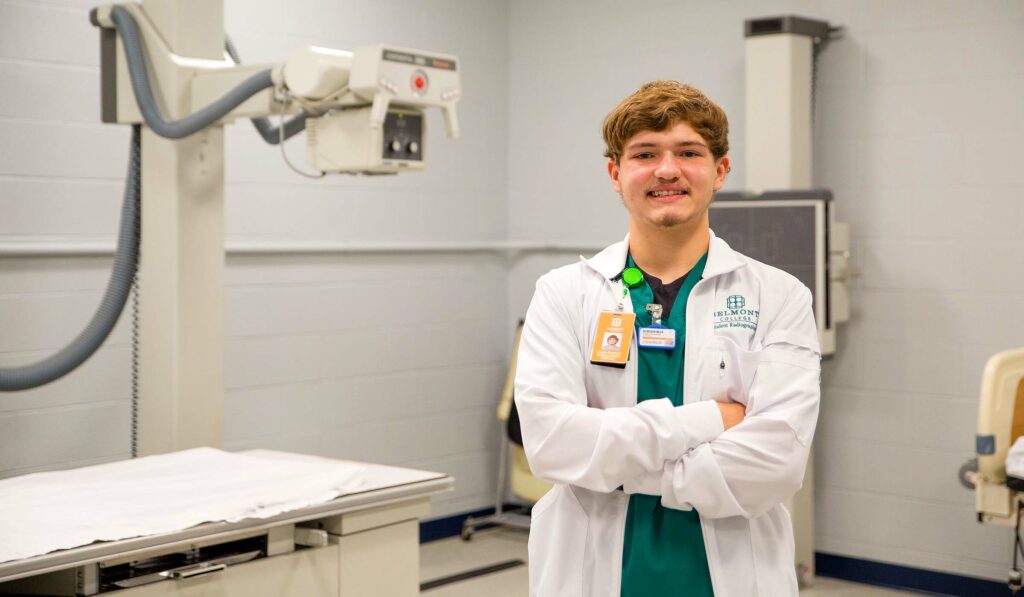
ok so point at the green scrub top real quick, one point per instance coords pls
(663, 553)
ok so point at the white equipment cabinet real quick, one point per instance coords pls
(363, 544)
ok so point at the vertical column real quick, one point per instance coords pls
(182, 252)
(779, 87)
(778, 142)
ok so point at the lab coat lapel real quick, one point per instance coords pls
(699, 321)
(721, 258)
(611, 260)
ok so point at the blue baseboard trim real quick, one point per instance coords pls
(905, 578)
(867, 572)
(451, 526)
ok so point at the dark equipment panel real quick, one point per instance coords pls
(784, 236)
(403, 136)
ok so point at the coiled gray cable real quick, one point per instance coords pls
(192, 123)
(126, 257)
(135, 367)
(120, 284)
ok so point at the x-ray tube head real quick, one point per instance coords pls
(346, 141)
(373, 123)
(314, 73)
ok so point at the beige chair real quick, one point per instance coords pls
(514, 475)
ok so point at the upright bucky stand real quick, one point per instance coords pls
(779, 91)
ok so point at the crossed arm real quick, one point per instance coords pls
(706, 454)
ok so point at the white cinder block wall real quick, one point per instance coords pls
(397, 359)
(920, 134)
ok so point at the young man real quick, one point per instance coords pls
(669, 464)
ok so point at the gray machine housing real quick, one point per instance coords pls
(790, 230)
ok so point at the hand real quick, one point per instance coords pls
(732, 413)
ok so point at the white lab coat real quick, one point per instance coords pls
(584, 431)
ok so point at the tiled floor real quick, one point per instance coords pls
(452, 556)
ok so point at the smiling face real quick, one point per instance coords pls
(667, 178)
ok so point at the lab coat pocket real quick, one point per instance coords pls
(727, 371)
(558, 536)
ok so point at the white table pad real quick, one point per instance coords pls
(44, 512)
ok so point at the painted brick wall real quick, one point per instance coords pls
(919, 129)
(389, 358)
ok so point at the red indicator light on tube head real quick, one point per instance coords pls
(419, 81)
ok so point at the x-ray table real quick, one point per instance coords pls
(364, 542)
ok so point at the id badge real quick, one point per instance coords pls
(658, 337)
(613, 338)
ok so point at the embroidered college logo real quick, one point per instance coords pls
(737, 314)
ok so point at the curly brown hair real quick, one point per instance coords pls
(659, 106)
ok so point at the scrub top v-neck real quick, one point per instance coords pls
(663, 552)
